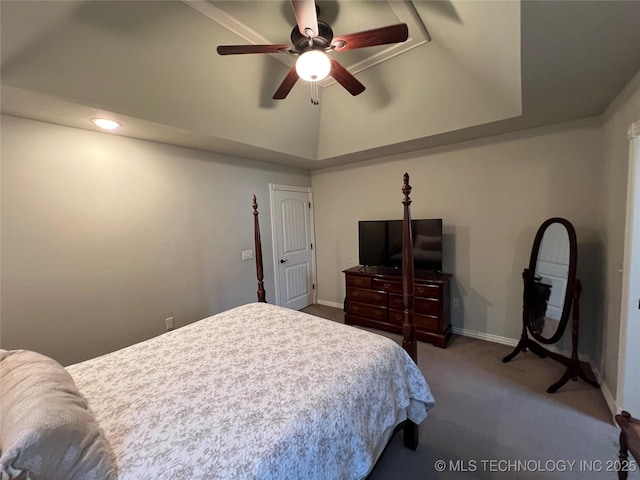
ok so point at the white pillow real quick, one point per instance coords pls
(47, 431)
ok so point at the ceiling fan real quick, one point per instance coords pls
(312, 39)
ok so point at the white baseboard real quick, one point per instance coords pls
(331, 304)
(606, 393)
(485, 336)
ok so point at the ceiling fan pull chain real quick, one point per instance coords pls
(314, 93)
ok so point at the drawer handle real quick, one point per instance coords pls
(355, 294)
(420, 289)
(377, 313)
(387, 285)
(377, 297)
(358, 281)
(355, 307)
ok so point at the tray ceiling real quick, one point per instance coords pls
(489, 67)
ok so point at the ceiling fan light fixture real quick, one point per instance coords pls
(313, 66)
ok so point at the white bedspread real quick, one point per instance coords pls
(256, 392)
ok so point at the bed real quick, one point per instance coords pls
(293, 396)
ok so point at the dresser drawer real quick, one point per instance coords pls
(367, 310)
(361, 282)
(395, 301)
(387, 286)
(396, 317)
(432, 291)
(427, 306)
(371, 297)
(422, 322)
(425, 322)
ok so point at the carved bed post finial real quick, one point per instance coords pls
(258, 248)
(408, 327)
(406, 188)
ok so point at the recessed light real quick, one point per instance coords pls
(105, 123)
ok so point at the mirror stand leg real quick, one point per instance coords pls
(537, 349)
(574, 370)
(521, 347)
(565, 378)
(574, 366)
(523, 344)
(590, 381)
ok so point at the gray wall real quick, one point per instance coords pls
(103, 237)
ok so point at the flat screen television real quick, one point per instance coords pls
(380, 243)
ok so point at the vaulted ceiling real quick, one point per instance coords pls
(469, 69)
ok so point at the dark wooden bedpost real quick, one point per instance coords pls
(258, 248)
(408, 328)
(410, 430)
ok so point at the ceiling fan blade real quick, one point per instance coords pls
(369, 38)
(286, 85)
(241, 49)
(306, 17)
(344, 78)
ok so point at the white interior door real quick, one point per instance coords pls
(294, 258)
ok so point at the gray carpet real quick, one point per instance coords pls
(495, 420)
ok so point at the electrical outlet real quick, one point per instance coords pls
(247, 254)
(169, 323)
(456, 303)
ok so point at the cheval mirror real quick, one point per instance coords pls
(551, 295)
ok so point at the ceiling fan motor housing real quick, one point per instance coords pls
(321, 42)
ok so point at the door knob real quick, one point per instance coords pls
(282, 261)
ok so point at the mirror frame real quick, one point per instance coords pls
(571, 278)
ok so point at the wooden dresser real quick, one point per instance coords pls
(374, 299)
